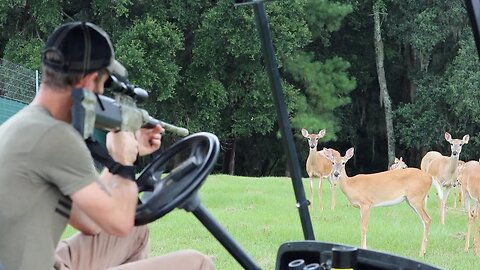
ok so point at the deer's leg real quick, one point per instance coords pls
(364, 216)
(469, 224)
(320, 187)
(440, 203)
(443, 205)
(311, 190)
(476, 235)
(440, 197)
(334, 188)
(418, 205)
(442, 212)
(463, 192)
(457, 197)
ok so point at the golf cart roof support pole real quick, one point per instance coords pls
(286, 131)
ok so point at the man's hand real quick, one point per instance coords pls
(149, 139)
(123, 147)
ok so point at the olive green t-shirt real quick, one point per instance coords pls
(42, 162)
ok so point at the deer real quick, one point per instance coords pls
(318, 165)
(427, 159)
(398, 163)
(387, 188)
(470, 178)
(444, 169)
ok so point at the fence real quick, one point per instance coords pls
(18, 86)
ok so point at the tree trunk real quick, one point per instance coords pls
(385, 100)
(411, 66)
(287, 170)
(228, 166)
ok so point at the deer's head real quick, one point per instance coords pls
(398, 163)
(313, 138)
(456, 144)
(338, 163)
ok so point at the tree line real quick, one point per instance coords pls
(387, 77)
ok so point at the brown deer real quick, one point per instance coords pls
(470, 178)
(365, 191)
(444, 169)
(318, 165)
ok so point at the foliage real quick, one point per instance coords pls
(423, 122)
(325, 17)
(326, 87)
(428, 27)
(421, 41)
(148, 49)
(228, 55)
(445, 103)
(19, 50)
(203, 65)
(324, 80)
(22, 25)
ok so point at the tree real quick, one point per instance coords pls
(202, 61)
(148, 49)
(384, 96)
(24, 25)
(429, 34)
(359, 121)
(322, 77)
(446, 103)
(227, 76)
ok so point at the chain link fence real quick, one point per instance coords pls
(18, 86)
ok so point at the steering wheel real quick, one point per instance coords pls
(164, 192)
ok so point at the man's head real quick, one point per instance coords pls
(79, 50)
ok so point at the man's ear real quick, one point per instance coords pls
(88, 79)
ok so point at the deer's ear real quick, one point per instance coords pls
(396, 160)
(322, 133)
(448, 137)
(466, 138)
(327, 153)
(304, 132)
(349, 153)
(401, 159)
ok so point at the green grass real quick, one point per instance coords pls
(260, 214)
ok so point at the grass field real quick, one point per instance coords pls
(260, 214)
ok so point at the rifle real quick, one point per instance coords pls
(90, 111)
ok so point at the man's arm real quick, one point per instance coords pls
(82, 222)
(109, 202)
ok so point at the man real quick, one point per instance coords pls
(48, 178)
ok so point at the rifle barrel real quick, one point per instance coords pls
(168, 127)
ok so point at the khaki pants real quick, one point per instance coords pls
(104, 251)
